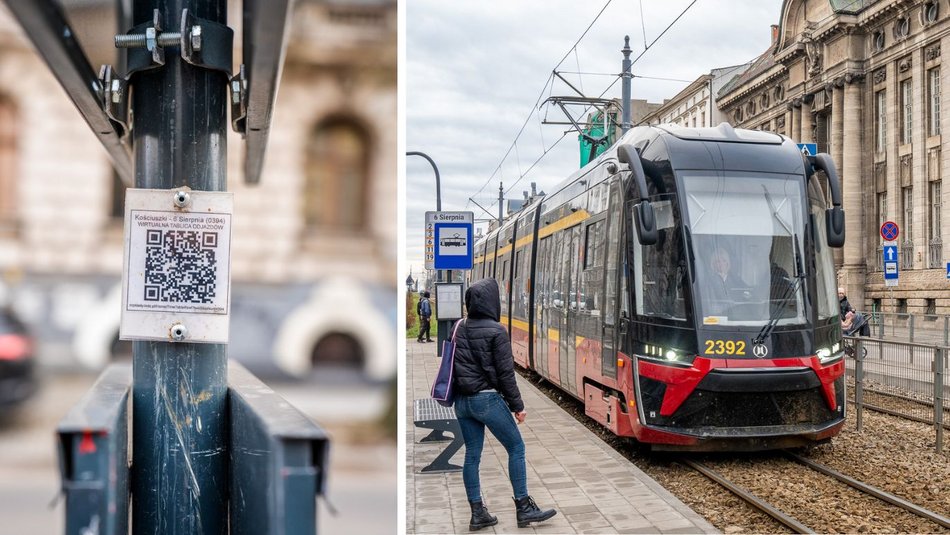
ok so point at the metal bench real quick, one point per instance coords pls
(428, 414)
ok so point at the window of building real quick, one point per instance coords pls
(931, 309)
(337, 176)
(902, 28)
(878, 41)
(936, 240)
(907, 112)
(933, 102)
(880, 122)
(907, 199)
(8, 154)
(902, 306)
(930, 12)
(882, 207)
(703, 123)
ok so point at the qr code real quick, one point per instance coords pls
(180, 266)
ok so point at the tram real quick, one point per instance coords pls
(682, 286)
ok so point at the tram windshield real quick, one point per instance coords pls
(746, 234)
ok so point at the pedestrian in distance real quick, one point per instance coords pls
(486, 395)
(843, 303)
(424, 311)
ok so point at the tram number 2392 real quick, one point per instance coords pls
(724, 347)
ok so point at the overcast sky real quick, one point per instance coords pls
(475, 70)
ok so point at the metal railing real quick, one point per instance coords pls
(914, 328)
(900, 378)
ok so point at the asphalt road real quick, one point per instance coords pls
(362, 479)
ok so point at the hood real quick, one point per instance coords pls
(482, 300)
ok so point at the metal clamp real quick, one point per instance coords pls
(115, 100)
(202, 43)
(237, 87)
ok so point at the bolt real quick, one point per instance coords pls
(195, 37)
(141, 40)
(179, 332)
(182, 199)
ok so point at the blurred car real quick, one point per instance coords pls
(17, 378)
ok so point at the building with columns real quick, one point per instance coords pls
(317, 232)
(863, 80)
(695, 106)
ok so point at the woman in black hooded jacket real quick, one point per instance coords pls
(486, 395)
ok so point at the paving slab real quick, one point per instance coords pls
(594, 488)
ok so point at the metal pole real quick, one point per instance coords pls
(859, 380)
(179, 407)
(501, 201)
(940, 357)
(625, 121)
(438, 185)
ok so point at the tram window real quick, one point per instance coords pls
(592, 279)
(613, 233)
(825, 270)
(748, 239)
(594, 252)
(660, 270)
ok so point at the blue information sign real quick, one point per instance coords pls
(808, 149)
(453, 246)
(891, 271)
(948, 270)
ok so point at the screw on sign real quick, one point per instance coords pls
(890, 231)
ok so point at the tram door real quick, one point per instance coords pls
(573, 303)
(543, 294)
(611, 280)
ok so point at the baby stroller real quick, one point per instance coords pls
(859, 326)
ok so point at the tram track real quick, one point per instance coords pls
(796, 525)
(892, 453)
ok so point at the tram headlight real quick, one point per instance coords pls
(829, 354)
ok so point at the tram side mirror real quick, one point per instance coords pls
(834, 216)
(646, 223)
(834, 226)
(646, 220)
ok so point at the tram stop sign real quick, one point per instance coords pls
(448, 240)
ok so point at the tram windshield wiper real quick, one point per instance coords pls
(790, 292)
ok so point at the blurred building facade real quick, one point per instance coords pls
(314, 244)
(863, 79)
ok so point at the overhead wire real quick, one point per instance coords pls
(604, 92)
(549, 80)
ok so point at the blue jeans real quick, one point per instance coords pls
(489, 409)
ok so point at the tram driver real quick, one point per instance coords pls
(725, 285)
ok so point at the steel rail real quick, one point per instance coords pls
(871, 490)
(752, 499)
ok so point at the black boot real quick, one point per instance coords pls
(529, 512)
(481, 518)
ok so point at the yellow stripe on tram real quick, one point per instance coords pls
(564, 222)
(520, 324)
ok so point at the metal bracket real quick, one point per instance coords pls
(115, 100)
(145, 49)
(237, 87)
(206, 43)
(202, 43)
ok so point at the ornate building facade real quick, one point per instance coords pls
(316, 232)
(695, 106)
(863, 80)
